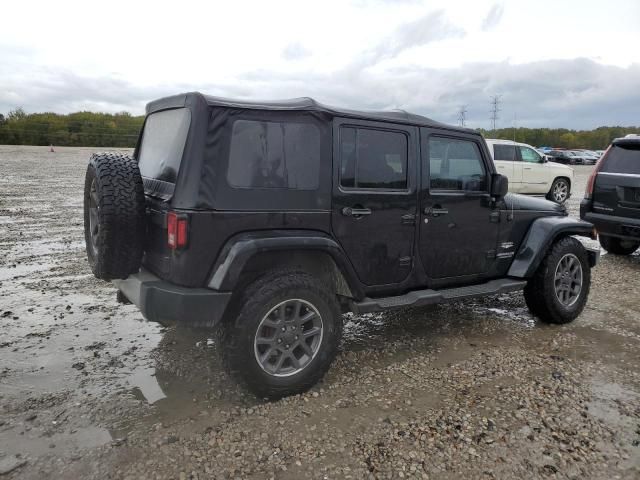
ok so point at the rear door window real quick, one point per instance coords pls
(280, 155)
(373, 159)
(622, 160)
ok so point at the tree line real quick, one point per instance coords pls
(91, 129)
(80, 129)
(596, 139)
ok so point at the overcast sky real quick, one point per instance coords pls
(555, 63)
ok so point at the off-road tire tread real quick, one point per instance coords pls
(121, 215)
(237, 332)
(539, 292)
(613, 245)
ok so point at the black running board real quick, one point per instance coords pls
(425, 297)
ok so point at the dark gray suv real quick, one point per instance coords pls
(612, 197)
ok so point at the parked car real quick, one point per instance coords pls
(566, 157)
(529, 172)
(273, 218)
(612, 197)
(588, 158)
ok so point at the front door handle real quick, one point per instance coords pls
(436, 211)
(355, 212)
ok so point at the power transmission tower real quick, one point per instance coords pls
(462, 115)
(495, 109)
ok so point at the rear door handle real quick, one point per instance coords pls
(355, 212)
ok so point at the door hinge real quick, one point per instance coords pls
(404, 261)
(408, 219)
(494, 217)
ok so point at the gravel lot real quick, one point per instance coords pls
(475, 389)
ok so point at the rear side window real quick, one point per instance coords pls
(267, 154)
(163, 143)
(504, 152)
(622, 160)
(373, 159)
(456, 165)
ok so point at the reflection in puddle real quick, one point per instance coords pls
(146, 384)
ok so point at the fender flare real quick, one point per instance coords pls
(542, 233)
(239, 249)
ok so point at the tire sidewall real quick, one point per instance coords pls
(246, 327)
(553, 187)
(92, 256)
(557, 254)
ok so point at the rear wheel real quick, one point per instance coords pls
(285, 336)
(559, 191)
(618, 246)
(557, 292)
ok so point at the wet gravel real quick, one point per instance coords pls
(476, 389)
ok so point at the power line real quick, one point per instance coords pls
(495, 109)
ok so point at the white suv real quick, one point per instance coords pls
(529, 172)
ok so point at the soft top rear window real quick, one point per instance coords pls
(622, 160)
(163, 141)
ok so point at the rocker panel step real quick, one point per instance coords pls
(425, 297)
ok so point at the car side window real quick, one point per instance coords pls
(283, 155)
(373, 159)
(456, 164)
(504, 152)
(529, 155)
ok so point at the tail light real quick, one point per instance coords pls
(177, 230)
(592, 178)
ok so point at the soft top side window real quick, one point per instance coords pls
(270, 154)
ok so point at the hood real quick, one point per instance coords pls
(515, 201)
(559, 166)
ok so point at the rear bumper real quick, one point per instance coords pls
(613, 226)
(169, 304)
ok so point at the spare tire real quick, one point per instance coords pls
(114, 215)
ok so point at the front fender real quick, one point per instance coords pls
(239, 249)
(542, 233)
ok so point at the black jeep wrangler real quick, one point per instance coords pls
(612, 197)
(273, 218)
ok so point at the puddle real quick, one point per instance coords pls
(31, 443)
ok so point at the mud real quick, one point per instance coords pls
(88, 389)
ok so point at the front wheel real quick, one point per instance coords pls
(559, 191)
(557, 292)
(285, 336)
(617, 246)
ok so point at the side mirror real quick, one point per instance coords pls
(499, 185)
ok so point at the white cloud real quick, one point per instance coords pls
(425, 56)
(493, 17)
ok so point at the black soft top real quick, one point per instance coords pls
(298, 104)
